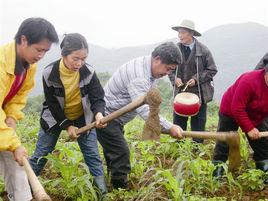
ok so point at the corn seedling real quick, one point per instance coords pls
(252, 179)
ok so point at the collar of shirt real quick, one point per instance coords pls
(66, 71)
(148, 63)
(191, 46)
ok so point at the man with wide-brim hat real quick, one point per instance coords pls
(196, 80)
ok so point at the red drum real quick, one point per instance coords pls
(186, 104)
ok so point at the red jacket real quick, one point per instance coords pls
(246, 100)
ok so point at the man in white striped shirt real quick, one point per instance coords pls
(130, 81)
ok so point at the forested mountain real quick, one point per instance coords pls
(236, 49)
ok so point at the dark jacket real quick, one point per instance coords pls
(92, 94)
(201, 56)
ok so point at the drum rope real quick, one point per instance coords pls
(174, 86)
(176, 73)
(198, 83)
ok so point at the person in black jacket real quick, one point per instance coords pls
(73, 98)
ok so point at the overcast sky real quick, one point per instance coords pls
(119, 23)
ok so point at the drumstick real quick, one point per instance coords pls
(185, 87)
(38, 190)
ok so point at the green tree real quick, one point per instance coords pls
(34, 104)
(103, 77)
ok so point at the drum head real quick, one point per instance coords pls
(186, 98)
(186, 104)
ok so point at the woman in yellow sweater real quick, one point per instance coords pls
(73, 98)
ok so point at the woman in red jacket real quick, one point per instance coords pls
(245, 105)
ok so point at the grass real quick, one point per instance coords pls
(165, 170)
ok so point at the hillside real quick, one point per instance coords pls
(236, 49)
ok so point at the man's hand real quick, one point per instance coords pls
(175, 131)
(71, 130)
(191, 82)
(99, 118)
(10, 122)
(266, 78)
(19, 153)
(178, 82)
(254, 134)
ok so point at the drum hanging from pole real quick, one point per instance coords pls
(186, 104)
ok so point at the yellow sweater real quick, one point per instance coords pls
(73, 108)
(9, 141)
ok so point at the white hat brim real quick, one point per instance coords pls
(196, 33)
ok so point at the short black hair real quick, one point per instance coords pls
(72, 42)
(36, 29)
(168, 52)
(265, 61)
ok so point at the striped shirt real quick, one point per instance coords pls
(132, 80)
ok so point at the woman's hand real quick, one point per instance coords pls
(254, 134)
(99, 118)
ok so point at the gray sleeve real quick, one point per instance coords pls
(210, 68)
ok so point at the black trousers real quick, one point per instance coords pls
(115, 149)
(260, 146)
(198, 122)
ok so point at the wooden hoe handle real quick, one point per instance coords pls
(38, 191)
(222, 136)
(129, 107)
(264, 134)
